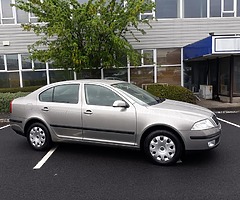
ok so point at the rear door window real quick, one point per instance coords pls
(61, 94)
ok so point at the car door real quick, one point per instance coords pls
(60, 107)
(104, 123)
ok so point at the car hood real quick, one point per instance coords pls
(182, 108)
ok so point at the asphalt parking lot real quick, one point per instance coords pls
(76, 171)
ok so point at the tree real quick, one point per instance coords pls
(88, 35)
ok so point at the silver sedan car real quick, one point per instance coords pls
(117, 113)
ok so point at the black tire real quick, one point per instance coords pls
(38, 137)
(162, 147)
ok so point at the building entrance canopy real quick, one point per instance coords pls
(214, 61)
(212, 46)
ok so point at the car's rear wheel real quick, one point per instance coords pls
(163, 147)
(38, 137)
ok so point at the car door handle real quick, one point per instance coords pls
(45, 109)
(88, 112)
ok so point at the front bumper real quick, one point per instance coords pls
(202, 140)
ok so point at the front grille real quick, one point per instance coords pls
(215, 119)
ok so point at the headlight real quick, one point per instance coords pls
(202, 125)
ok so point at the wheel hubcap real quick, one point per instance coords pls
(162, 148)
(37, 137)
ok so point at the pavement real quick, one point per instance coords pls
(215, 106)
(218, 106)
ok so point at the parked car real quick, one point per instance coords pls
(113, 112)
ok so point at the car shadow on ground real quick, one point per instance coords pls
(98, 152)
(93, 152)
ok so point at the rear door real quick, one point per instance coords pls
(60, 107)
(104, 123)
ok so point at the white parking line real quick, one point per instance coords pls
(4, 127)
(236, 125)
(45, 158)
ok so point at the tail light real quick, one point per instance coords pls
(10, 107)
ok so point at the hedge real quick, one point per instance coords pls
(171, 92)
(6, 98)
(15, 90)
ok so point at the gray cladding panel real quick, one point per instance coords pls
(170, 33)
(165, 33)
(18, 39)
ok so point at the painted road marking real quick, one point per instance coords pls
(236, 125)
(3, 127)
(45, 158)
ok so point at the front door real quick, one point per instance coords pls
(104, 123)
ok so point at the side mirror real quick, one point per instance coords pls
(120, 103)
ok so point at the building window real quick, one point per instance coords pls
(195, 8)
(12, 62)
(169, 66)
(168, 56)
(6, 12)
(167, 8)
(147, 58)
(224, 71)
(33, 18)
(82, 1)
(142, 75)
(116, 74)
(60, 75)
(31, 78)
(4, 80)
(39, 65)
(13, 79)
(238, 8)
(228, 8)
(26, 62)
(2, 66)
(169, 74)
(89, 73)
(215, 8)
(236, 79)
(228, 5)
(22, 16)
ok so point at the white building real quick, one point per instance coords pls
(179, 23)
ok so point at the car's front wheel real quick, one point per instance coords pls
(38, 137)
(163, 147)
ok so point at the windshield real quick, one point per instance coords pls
(138, 93)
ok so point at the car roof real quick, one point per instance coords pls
(99, 81)
(81, 81)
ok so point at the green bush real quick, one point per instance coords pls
(24, 89)
(171, 92)
(6, 98)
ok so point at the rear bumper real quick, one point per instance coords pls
(16, 125)
(202, 140)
